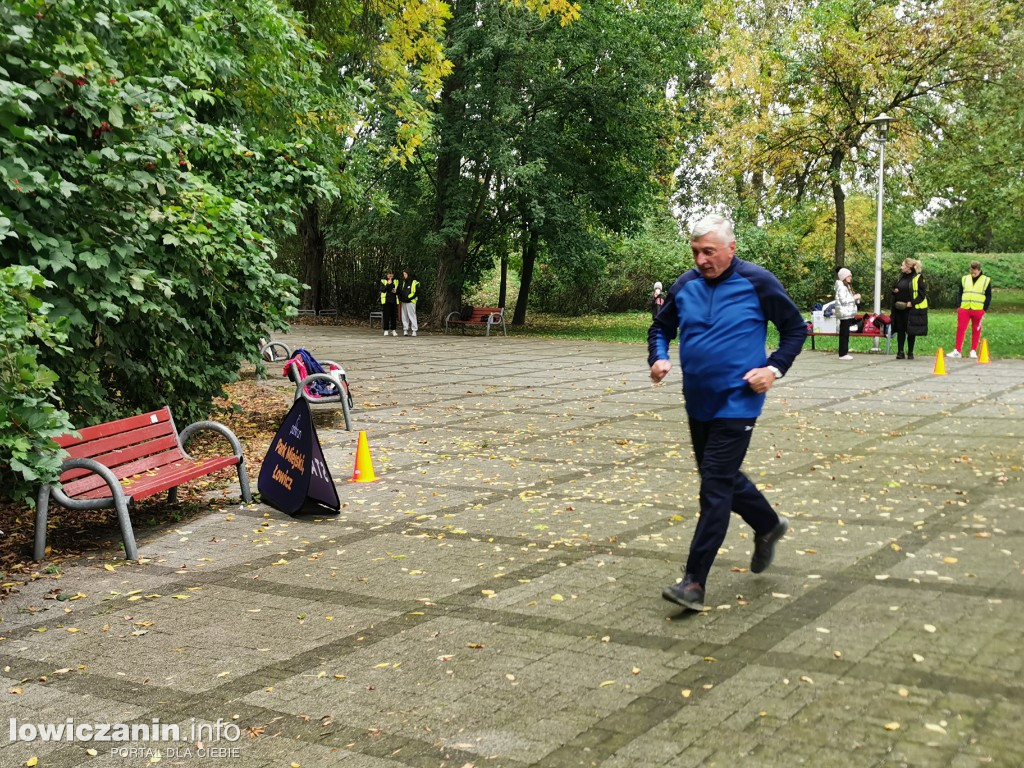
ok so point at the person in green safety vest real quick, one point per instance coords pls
(975, 296)
(909, 308)
(407, 291)
(389, 303)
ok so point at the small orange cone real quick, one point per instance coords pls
(940, 364)
(983, 355)
(363, 472)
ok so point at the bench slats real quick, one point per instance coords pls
(140, 458)
(115, 427)
(171, 475)
(478, 316)
(100, 448)
(147, 463)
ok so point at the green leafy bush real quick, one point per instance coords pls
(29, 415)
(149, 153)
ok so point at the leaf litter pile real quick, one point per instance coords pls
(251, 410)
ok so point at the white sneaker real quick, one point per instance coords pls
(414, 333)
(385, 333)
(394, 333)
(405, 333)
(955, 353)
(974, 353)
(846, 357)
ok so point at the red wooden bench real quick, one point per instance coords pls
(489, 316)
(870, 332)
(113, 465)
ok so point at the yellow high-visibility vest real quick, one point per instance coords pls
(974, 291)
(913, 285)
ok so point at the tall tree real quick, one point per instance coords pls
(575, 122)
(833, 67)
(971, 181)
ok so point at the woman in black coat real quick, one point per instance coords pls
(909, 308)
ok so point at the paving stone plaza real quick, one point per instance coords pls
(494, 598)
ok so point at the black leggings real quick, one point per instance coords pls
(390, 319)
(900, 318)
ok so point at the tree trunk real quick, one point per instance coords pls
(450, 276)
(529, 257)
(757, 195)
(313, 251)
(503, 288)
(840, 202)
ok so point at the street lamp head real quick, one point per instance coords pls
(882, 121)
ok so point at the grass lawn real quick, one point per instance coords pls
(1003, 327)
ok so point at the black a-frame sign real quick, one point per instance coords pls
(294, 469)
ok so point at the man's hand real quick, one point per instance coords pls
(660, 370)
(759, 379)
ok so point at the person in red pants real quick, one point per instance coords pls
(975, 296)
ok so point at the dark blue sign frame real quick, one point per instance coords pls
(294, 469)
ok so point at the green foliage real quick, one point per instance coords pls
(29, 415)
(657, 253)
(149, 154)
(971, 180)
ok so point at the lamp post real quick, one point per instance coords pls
(882, 121)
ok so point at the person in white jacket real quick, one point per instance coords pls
(846, 308)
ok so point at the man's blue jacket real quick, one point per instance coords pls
(722, 326)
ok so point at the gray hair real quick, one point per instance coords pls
(713, 223)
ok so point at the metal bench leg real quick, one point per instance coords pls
(172, 495)
(243, 481)
(131, 551)
(42, 507)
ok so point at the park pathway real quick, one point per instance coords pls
(494, 598)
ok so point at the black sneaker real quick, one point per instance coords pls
(910, 355)
(688, 593)
(764, 546)
(900, 356)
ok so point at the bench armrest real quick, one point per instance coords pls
(329, 378)
(214, 426)
(333, 368)
(269, 352)
(116, 491)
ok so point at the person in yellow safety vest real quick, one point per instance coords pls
(909, 308)
(389, 303)
(975, 296)
(407, 295)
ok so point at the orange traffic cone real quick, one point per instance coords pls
(363, 472)
(983, 355)
(940, 364)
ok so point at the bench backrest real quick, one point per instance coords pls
(480, 314)
(126, 446)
